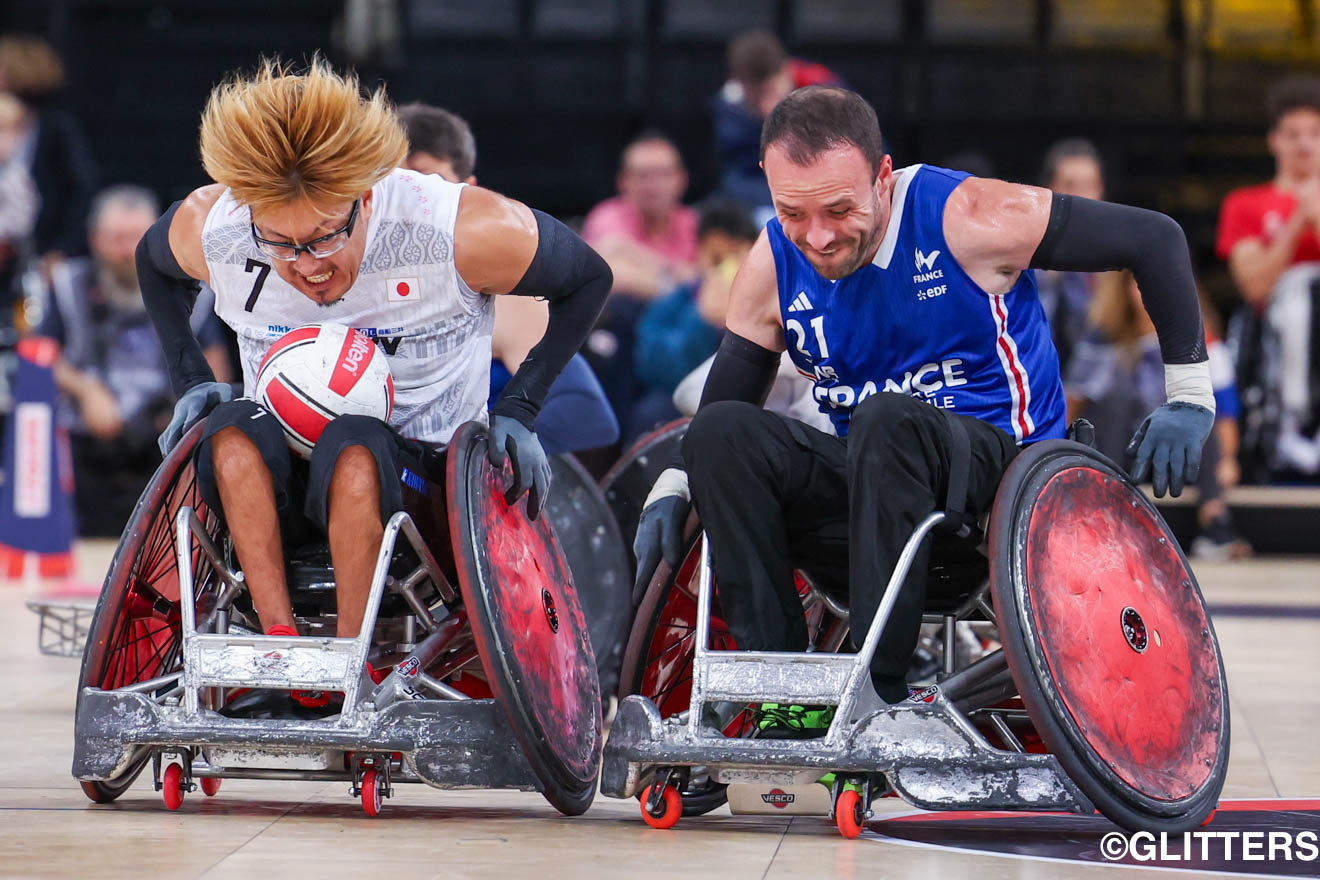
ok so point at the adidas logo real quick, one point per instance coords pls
(801, 303)
(926, 261)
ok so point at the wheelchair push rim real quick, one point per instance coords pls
(527, 625)
(1107, 638)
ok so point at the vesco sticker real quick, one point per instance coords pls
(778, 798)
(926, 696)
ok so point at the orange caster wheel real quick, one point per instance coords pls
(211, 785)
(849, 813)
(371, 793)
(668, 810)
(172, 787)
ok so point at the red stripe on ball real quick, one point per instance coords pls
(290, 408)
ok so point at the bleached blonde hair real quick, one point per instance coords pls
(281, 137)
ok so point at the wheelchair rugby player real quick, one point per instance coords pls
(906, 295)
(310, 222)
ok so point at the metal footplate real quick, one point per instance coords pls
(927, 749)
(62, 624)
(458, 744)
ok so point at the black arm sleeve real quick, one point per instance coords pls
(576, 281)
(169, 293)
(1089, 236)
(742, 370)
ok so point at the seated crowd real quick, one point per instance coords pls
(673, 264)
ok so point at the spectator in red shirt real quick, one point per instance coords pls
(1265, 229)
(761, 73)
(646, 233)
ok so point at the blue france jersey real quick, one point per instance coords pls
(912, 321)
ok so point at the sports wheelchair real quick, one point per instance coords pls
(494, 682)
(1094, 681)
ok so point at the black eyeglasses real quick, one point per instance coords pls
(322, 247)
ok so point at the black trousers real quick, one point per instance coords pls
(775, 495)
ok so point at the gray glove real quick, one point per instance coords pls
(193, 405)
(531, 469)
(1169, 443)
(660, 529)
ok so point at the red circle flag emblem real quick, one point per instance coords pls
(403, 288)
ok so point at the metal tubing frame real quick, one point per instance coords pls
(188, 525)
(860, 664)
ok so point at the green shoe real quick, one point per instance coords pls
(790, 721)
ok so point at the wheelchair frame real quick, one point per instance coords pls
(450, 742)
(926, 749)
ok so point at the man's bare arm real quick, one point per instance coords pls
(754, 299)
(993, 228)
(185, 234)
(501, 246)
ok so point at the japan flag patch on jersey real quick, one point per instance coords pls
(402, 290)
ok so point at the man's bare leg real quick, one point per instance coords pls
(247, 494)
(355, 533)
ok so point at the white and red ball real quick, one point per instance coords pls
(315, 373)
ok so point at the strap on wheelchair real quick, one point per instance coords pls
(956, 521)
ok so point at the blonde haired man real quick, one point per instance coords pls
(311, 221)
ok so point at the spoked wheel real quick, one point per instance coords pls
(849, 814)
(372, 797)
(1108, 639)
(658, 659)
(134, 635)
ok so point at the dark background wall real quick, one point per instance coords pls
(1171, 90)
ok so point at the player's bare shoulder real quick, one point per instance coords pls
(186, 229)
(994, 227)
(754, 298)
(495, 239)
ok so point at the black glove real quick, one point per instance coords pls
(193, 405)
(531, 469)
(1169, 443)
(660, 529)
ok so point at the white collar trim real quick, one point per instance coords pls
(886, 252)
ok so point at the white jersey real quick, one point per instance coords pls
(434, 330)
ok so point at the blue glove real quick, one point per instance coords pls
(660, 529)
(1169, 443)
(531, 469)
(193, 405)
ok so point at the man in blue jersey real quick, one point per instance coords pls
(904, 294)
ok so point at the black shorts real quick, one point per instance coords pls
(302, 487)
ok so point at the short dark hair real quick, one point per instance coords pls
(1292, 93)
(756, 56)
(443, 134)
(650, 136)
(1069, 148)
(814, 119)
(729, 217)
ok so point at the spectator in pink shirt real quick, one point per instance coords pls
(646, 233)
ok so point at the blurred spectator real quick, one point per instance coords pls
(646, 233)
(1266, 228)
(682, 328)
(18, 204)
(761, 73)
(439, 142)
(52, 145)
(111, 368)
(1117, 377)
(575, 415)
(1072, 167)
(1268, 235)
(649, 238)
